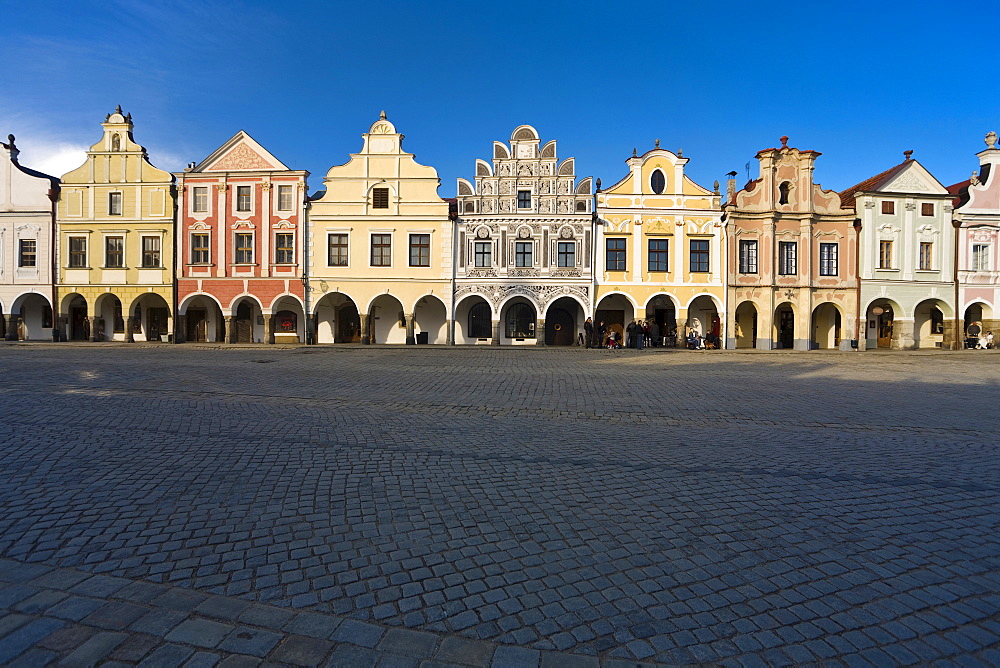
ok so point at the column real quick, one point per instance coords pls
(11, 323)
(450, 333)
(230, 328)
(129, 336)
(496, 333)
(365, 334)
(539, 331)
(181, 329)
(93, 327)
(268, 328)
(681, 331)
(411, 338)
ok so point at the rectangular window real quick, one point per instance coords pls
(699, 255)
(788, 257)
(659, 255)
(284, 198)
(151, 252)
(199, 249)
(381, 250)
(927, 209)
(243, 197)
(523, 199)
(829, 259)
(114, 252)
(748, 256)
(284, 248)
(483, 253)
(244, 248)
(199, 199)
(337, 250)
(26, 255)
(420, 250)
(885, 255)
(114, 204)
(566, 254)
(926, 253)
(78, 251)
(980, 257)
(615, 259)
(888, 207)
(522, 254)
(380, 198)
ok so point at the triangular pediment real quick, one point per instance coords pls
(242, 153)
(913, 178)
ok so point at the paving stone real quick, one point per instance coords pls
(24, 637)
(95, 649)
(199, 632)
(358, 633)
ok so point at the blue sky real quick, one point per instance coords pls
(860, 82)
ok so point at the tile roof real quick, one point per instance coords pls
(847, 197)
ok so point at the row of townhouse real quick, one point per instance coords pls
(234, 249)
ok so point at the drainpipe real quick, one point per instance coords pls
(53, 258)
(453, 221)
(857, 279)
(959, 336)
(307, 316)
(724, 239)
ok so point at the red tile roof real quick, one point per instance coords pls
(847, 197)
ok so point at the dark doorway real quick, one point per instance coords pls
(79, 324)
(480, 321)
(197, 325)
(559, 327)
(244, 323)
(348, 324)
(786, 328)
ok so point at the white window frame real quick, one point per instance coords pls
(276, 247)
(344, 233)
(142, 250)
(236, 199)
(194, 199)
(980, 257)
(236, 248)
(208, 248)
(291, 197)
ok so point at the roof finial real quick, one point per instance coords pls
(680, 153)
(784, 141)
(10, 138)
(908, 154)
(991, 139)
(634, 154)
(118, 109)
(657, 143)
(382, 115)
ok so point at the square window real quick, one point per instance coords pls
(337, 250)
(748, 256)
(199, 199)
(659, 255)
(566, 254)
(699, 255)
(888, 207)
(114, 204)
(788, 257)
(420, 250)
(284, 248)
(927, 209)
(523, 199)
(885, 255)
(926, 255)
(26, 255)
(615, 255)
(114, 252)
(381, 250)
(829, 262)
(285, 198)
(78, 251)
(522, 253)
(244, 248)
(151, 252)
(482, 253)
(199, 248)
(380, 198)
(243, 197)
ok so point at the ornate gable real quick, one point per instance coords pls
(240, 153)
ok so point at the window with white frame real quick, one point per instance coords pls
(284, 248)
(482, 254)
(659, 254)
(244, 247)
(926, 255)
(522, 254)
(420, 250)
(337, 250)
(566, 254)
(199, 248)
(115, 204)
(699, 255)
(381, 250)
(285, 199)
(114, 252)
(980, 257)
(829, 259)
(243, 196)
(788, 257)
(151, 252)
(523, 199)
(78, 252)
(885, 254)
(26, 253)
(199, 199)
(748, 256)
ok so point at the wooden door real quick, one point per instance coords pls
(884, 333)
(348, 324)
(197, 325)
(559, 328)
(244, 323)
(786, 328)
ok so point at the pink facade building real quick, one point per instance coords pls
(240, 240)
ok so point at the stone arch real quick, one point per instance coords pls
(151, 317)
(247, 319)
(200, 319)
(473, 323)
(933, 324)
(34, 321)
(881, 328)
(73, 315)
(745, 324)
(827, 323)
(337, 318)
(615, 309)
(386, 319)
(524, 133)
(783, 329)
(430, 317)
(109, 314)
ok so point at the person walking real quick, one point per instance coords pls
(600, 335)
(638, 335)
(654, 334)
(588, 330)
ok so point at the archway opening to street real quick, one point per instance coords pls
(614, 311)
(746, 325)
(784, 326)
(34, 321)
(975, 328)
(561, 320)
(929, 324)
(827, 327)
(387, 322)
(430, 320)
(203, 321)
(703, 319)
(77, 324)
(473, 321)
(150, 318)
(288, 321)
(661, 311)
(881, 326)
(337, 319)
(110, 322)
(518, 319)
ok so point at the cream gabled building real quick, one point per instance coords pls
(523, 237)
(115, 228)
(380, 248)
(661, 249)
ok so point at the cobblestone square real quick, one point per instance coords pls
(495, 506)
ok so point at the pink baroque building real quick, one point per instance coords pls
(977, 217)
(240, 239)
(793, 254)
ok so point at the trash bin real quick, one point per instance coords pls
(422, 338)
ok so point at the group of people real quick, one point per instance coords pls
(638, 334)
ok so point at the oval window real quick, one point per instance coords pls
(657, 182)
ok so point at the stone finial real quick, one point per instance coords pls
(657, 143)
(991, 139)
(10, 141)
(680, 153)
(908, 154)
(598, 184)
(784, 141)
(974, 179)
(381, 115)
(118, 109)
(634, 154)
(715, 187)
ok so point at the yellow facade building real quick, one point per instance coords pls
(660, 250)
(115, 242)
(380, 248)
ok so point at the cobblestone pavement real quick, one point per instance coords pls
(186, 505)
